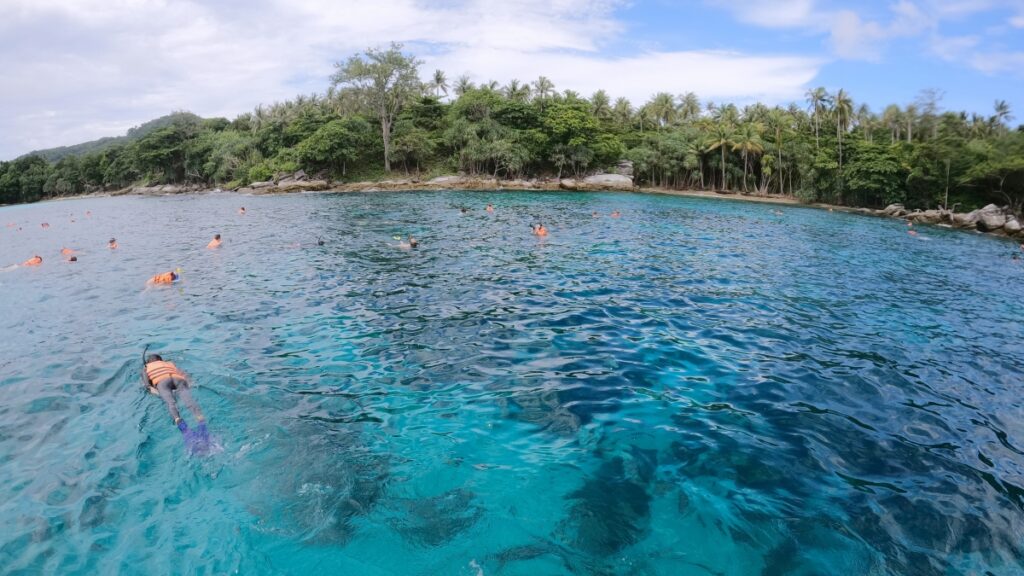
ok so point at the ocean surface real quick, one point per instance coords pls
(697, 387)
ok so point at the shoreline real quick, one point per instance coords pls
(972, 221)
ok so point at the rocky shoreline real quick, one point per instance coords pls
(991, 219)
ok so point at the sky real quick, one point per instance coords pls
(76, 70)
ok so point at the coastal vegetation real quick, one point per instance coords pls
(379, 116)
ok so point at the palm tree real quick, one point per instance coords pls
(842, 108)
(463, 85)
(816, 100)
(439, 83)
(689, 106)
(893, 118)
(865, 119)
(600, 104)
(721, 136)
(910, 115)
(1003, 114)
(542, 88)
(748, 141)
(516, 91)
(663, 108)
(779, 124)
(622, 111)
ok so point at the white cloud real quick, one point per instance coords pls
(82, 69)
(1017, 21)
(778, 14)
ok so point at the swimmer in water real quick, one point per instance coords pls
(464, 210)
(112, 244)
(412, 243)
(67, 251)
(912, 232)
(594, 214)
(490, 208)
(164, 379)
(73, 259)
(540, 230)
(777, 212)
(242, 210)
(33, 261)
(319, 241)
(910, 223)
(165, 278)
(616, 214)
(45, 225)
(215, 243)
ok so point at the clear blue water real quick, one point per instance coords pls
(699, 387)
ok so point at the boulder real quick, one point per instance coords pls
(445, 180)
(625, 168)
(296, 186)
(258, 185)
(893, 210)
(1012, 226)
(991, 218)
(928, 217)
(969, 220)
(609, 181)
(568, 184)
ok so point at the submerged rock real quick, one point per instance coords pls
(435, 521)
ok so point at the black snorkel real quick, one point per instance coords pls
(145, 379)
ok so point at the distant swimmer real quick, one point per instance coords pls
(67, 251)
(215, 243)
(319, 241)
(910, 224)
(777, 212)
(490, 208)
(412, 243)
(464, 210)
(912, 232)
(616, 214)
(242, 210)
(540, 230)
(594, 214)
(112, 244)
(88, 213)
(45, 225)
(165, 278)
(33, 261)
(73, 259)
(165, 380)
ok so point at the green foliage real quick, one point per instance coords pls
(825, 150)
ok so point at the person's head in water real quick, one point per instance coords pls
(154, 358)
(112, 243)
(490, 207)
(413, 242)
(73, 259)
(216, 236)
(319, 241)
(464, 209)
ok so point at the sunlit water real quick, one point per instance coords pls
(699, 387)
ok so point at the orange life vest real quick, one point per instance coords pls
(160, 370)
(165, 278)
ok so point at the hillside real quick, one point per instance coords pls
(55, 154)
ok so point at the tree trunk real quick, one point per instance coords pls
(385, 128)
(723, 167)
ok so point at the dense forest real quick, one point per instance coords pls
(379, 116)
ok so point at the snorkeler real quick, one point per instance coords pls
(215, 243)
(490, 208)
(112, 244)
(165, 278)
(33, 261)
(162, 378)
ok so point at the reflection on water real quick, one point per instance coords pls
(698, 387)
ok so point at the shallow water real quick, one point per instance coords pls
(699, 387)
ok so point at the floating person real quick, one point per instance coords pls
(912, 232)
(616, 214)
(319, 241)
(112, 244)
(412, 243)
(67, 251)
(910, 223)
(33, 261)
(165, 380)
(464, 210)
(165, 278)
(44, 225)
(73, 259)
(539, 230)
(241, 211)
(594, 214)
(215, 243)
(490, 208)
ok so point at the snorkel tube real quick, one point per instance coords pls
(145, 379)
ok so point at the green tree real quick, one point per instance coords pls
(386, 80)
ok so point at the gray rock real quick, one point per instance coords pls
(609, 180)
(258, 185)
(989, 220)
(625, 168)
(893, 209)
(568, 184)
(445, 180)
(1012, 226)
(969, 220)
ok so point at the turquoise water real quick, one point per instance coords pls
(699, 387)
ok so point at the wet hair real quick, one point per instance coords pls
(154, 358)
(73, 259)
(413, 242)
(319, 241)
(112, 240)
(216, 236)
(174, 276)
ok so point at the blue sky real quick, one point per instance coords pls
(75, 70)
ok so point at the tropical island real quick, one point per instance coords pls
(379, 121)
